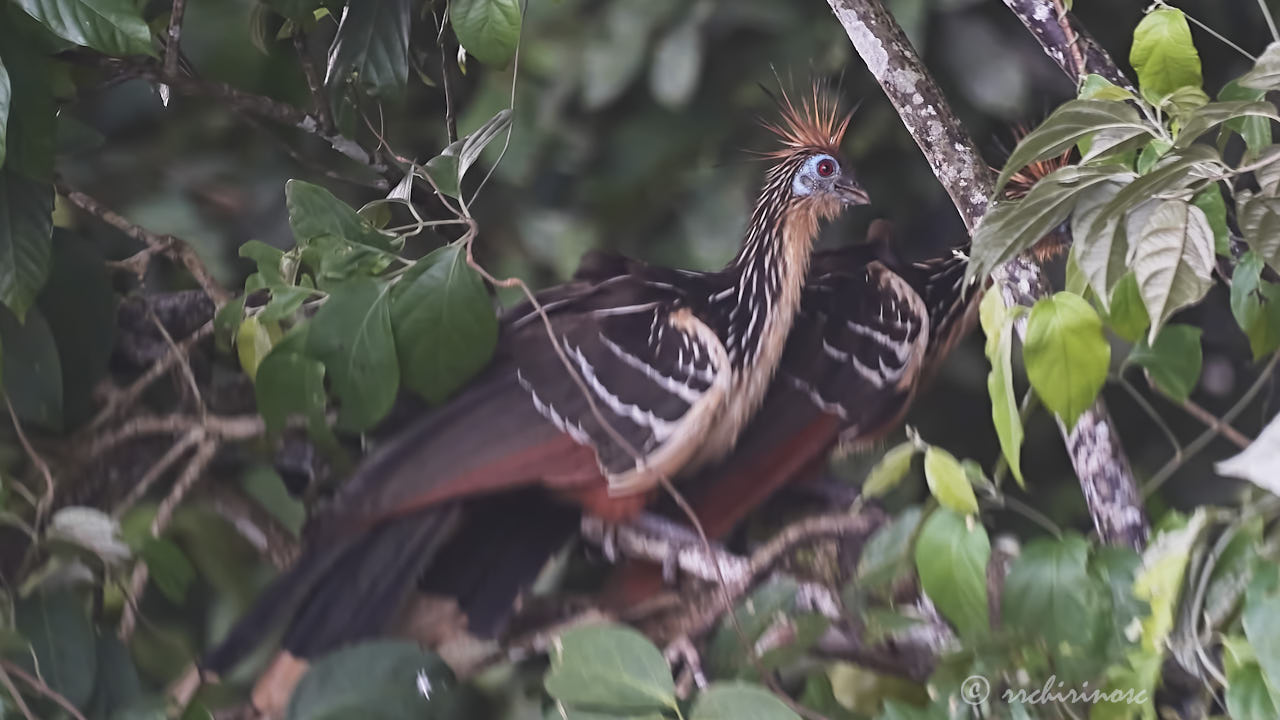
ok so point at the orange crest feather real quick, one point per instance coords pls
(814, 125)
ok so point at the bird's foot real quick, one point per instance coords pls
(686, 661)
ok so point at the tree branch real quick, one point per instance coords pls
(1096, 454)
(1070, 46)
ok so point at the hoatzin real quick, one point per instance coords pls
(612, 386)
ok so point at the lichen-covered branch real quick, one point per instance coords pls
(1066, 43)
(1096, 454)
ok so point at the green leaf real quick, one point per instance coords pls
(444, 325)
(1049, 593)
(1012, 226)
(351, 335)
(373, 45)
(285, 301)
(6, 95)
(948, 482)
(1173, 361)
(315, 213)
(267, 488)
(1259, 219)
(268, 259)
(288, 383)
(997, 323)
(442, 170)
(887, 551)
(63, 642)
(1151, 154)
(26, 240)
(609, 667)
(1210, 116)
(169, 567)
(487, 29)
(1096, 87)
(1255, 304)
(1159, 582)
(889, 471)
(253, 342)
(757, 614)
(1248, 697)
(1265, 74)
(739, 701)
(115, 27)
(1163, 53)
(1128, 316)
(32, 369)
(117, 686)
(1066, 354)
(296, 10)
(1067, 125)
(951, 557)
(476, 142)
(1262, 627)
(1210, 201)
(79, 305)
(379, 680)
(1099, 251)
(1256, 131)
(30, 132)
(1173, 260)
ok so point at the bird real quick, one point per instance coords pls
(597, 395)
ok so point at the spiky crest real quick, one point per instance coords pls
(815, 125)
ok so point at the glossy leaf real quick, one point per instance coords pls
(169, 568)
(1012, 226)
(1066, 354)
(26, 240)
(739, 701)
(63, 642)
(351, 335)
(315, 213)
(1210, 116)
(951, 558)
(476, 142)
(889, 471)
(444, 325)
(1163, 53)
(1259, 220)
(1258, 462)
(997, 324)
(1128, 316)
(1098, 250)
(1172, 361)
(1210, 201)
(1172, 260)
(1096, 87)
(289, 383)
(609, 667)
(487, 29)
(379, 680)
(1072, 121)
(253, 342)
(32, 369)
(1265, 74)
(1255, 303)
(115, 27)
(948, 481)
(1049, 593)
(372, 45)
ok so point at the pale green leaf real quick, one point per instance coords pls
(1259, 220)
(1163, 53)
(1159, 582)
(1096, 87)
(487, 29)
(1258, 462)
(1098, 249)
(1072, 121)
(948, 481)
(997, 323)
(1255, 303)
(1215, 210)
(1265, 74)
(889, 471)
(609, 667)
(952, 551)
(739, 701)
(1173, 260)
(253, 342)
(1128, 315)
(1066, 354)
(1049, 593)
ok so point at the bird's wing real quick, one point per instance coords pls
(627, 371)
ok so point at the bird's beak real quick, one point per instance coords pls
(851, 193)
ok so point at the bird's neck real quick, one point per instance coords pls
(767, 276)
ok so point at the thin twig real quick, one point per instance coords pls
(184, 364)
(1216, 424)
(13, 693)
(156, 243)
(319, 103)
(164, 514)
(1151, 413)
(128, 395)
(1195, 446)
(171, 456)
(46, 499)
(172, 44)
(39, 686)
(1271, 21)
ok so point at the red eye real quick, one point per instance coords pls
(826, 167)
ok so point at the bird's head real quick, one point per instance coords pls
(809, 167)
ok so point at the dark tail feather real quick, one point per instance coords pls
(339, 591)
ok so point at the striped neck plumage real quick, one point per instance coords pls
(767, 275)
